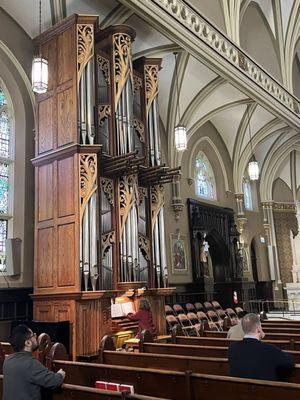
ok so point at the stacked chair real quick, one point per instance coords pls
(194, 318)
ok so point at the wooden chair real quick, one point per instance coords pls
(169, 310)
(216, 305)
(213, 316)
(178, 309)
(209, 326)
(202, 316)
(185, 323)
(232, 316)
(199, 307)
(190, 307)
(195, 322)
(239, 311)
(208, 306)
(221, 313)
(171, 322)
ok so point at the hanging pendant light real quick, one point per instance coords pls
(179, 130)
(39, 71)
(253, 168)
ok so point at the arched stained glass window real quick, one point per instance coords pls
(204, 178)
(247, 194)
(6, 169)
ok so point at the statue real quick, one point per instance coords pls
(295, 243)
(204, 254)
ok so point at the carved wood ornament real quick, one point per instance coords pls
(157, 201)
(103, 112)
(103, 64)
(108, 189)
(128, 196)
(88, 177)
(144, 245)
(137, 83)
(107, 239)
(139, 128)
(85, 46)
(151, 84)
(122, 62)
(142, 194)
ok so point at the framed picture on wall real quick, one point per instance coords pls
(178, 253)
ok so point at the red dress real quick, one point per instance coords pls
(144, 317)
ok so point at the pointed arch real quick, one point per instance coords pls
(213, 146)
(205, 181)
(265, 52)
(7, 127)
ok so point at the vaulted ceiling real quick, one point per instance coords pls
(267, 29)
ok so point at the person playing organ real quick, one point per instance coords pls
(144, 318)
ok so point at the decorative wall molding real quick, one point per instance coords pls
(279, 206)
(196, 24)
(185, 26)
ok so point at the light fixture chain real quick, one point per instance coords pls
(40, 16)
(251, 147)
(177, 87)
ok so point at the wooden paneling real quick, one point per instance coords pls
(49, 51)
(66, 255)
(66, 187)
(67, 121)
(43, 311)
(88, 321)
(63, 312)
(66, 56)
(46, 125)
(45, 262)
(45, 192)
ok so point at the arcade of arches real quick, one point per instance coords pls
(238, 76)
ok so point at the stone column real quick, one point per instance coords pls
(241, 219)
(269, 228)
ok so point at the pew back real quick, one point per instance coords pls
(179, 385)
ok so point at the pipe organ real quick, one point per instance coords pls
(99, 224)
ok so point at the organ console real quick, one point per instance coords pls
(99, 222)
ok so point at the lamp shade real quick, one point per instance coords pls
(180, 137)
(253, 170)
(39, 75)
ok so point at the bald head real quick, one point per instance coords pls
(250, 323)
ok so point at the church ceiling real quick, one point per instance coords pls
(204, 95)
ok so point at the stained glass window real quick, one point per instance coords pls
(204, 178)
(4, 134)
(6, 164)
(3, 236)
(247, 194)
(3, 100)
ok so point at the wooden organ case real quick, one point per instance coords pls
(99, 194)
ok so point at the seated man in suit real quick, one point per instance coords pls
(251, 358)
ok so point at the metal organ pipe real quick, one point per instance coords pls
(156, 132)
(163, 256)
(94, 274)
(82, 102)
(85, 241)
(90, 100)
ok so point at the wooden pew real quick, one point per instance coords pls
(75, 392)
(178, 385)
(201, 365)
(269, 336)
(196, 351)
(223, 342)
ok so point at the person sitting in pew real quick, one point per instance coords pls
(144, 317)
(24, 375)
(236, 331)
(253, 359)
